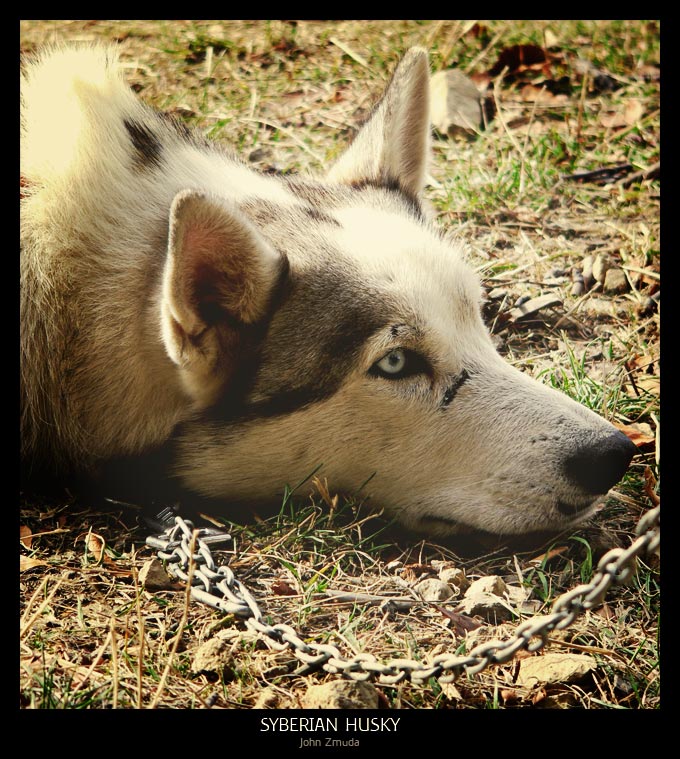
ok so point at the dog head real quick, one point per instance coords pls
(331, 323)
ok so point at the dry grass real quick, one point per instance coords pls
(288, 95)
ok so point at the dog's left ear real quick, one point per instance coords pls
(393, 145)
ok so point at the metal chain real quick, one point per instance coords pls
(218, 587)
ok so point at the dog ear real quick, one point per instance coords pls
(219, 276)
(393, 145)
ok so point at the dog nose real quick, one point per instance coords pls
(598, 466)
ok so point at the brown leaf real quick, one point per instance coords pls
(520, 58)
(545, 557)
(477, 30)
(649, 72)
(94, 544)
(638, 433)
(282, 588)
(641, 361)
(25, 536)
(633, 111)
(613, 120)
(605, 611)
(461, 622)
(510, 695)
(26, 562)
(419, 568)
(650, 384)
(630, 114)
(538, 696)
(650, 484)
(531, 93)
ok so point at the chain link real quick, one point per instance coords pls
(219, 588)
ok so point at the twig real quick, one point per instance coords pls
(26, 625)
(289, 132)
(650, 484)
(653, 172)
(140, 628)
(604, 175)
(181, 626)
(348, 51)
(581, 107)
(114, 661)
(400, 602)
(644, 272)
(95, 662)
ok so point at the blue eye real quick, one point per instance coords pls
(393, 363)
(399, 363)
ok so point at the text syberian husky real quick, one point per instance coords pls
(256, 326)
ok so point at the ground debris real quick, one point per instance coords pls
(554, 668)
(484, 598)
(341, 694)
(213, 656)
(153, 576)
(454, 577)
(616, 282)
(533, 306)
(269, 698)
(456, 103)
(432, 589)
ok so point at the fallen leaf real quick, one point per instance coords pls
(510, 695)
(450, 692)
(411, 573)
(25, 536)
(633, 111)
(94, 544)
(650, 384)
(520, 58)
(282, 588)
(477, 30)
(649, 72)
(538, 696)
(638, 433)
(545, 557)
(26, 562)
(550, 38)
(532, 93)
(461, 622)
(153, 576)
(605, 611)
(630, 114)
(650, 484)
(554, 668)
(641, 361)
(419, 568)
(533, 306)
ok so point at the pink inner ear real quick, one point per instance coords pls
(201, 238)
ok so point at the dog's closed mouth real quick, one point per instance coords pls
(433, 519)
(569, 509)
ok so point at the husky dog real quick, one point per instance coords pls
(257, 326)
